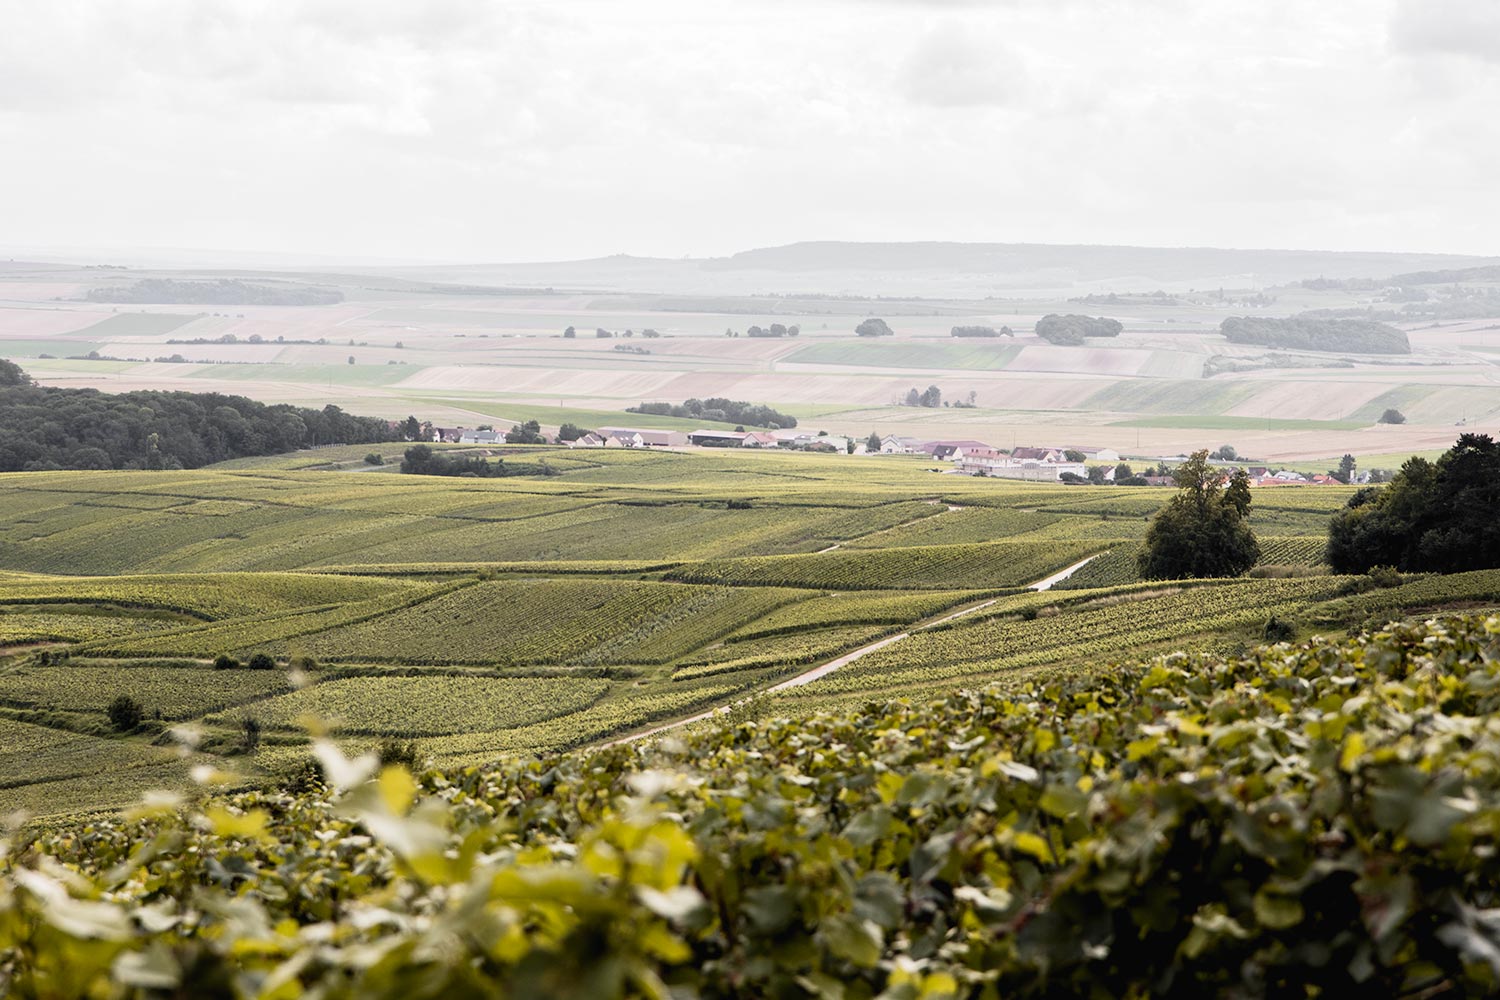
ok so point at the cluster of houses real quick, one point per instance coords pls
(974, 458)
(638, 437)
(1260, 475)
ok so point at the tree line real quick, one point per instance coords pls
(1309, 333)
(422, 460)
(730, 411)
(49, 428)
(221, 292)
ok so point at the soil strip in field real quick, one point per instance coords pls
(824, 669)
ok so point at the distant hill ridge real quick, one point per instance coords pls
(1089, 260)
(948, 270)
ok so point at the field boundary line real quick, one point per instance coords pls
(821, 670)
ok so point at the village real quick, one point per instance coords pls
(1070, 464)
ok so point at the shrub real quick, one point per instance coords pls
(374, 458)
(261, 661)
(125, 713)
(250, 733)
(1279, 630)
(305, 778)
(226, 662)
(403, 752)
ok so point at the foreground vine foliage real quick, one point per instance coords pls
(1320, 819)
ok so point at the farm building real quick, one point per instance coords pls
(638, 437)
(993, 462)
(717, 439)
(893, 445)
(1050, 456)
(947, 449)
(1099, 454)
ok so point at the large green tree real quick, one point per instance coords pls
(1203, 530)
(1441, 516)
(12, 374)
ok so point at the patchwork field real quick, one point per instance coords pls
(465, 354)
(483, 617)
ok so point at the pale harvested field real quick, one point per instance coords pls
(1324, 399)
(40, 321)
(1118, 361)
(40, 291)
(468, 358)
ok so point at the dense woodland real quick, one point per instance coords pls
(732, 411)
(1441, 516)
(50, 428)
(1308, 333)
(223, 292)
(1073, 330)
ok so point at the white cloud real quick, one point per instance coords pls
(524, 129)
(1453, 27)
(952, 66)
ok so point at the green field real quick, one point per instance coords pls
(480, 617)
(978, 354)
(137, 324)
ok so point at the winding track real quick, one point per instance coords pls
(824, 669)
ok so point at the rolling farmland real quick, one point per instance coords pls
(485, 617)
(1169, 383)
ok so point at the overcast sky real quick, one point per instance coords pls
(467, 130)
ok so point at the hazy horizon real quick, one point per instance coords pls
(530, 132)
(189, 258)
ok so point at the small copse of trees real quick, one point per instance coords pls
(729, 411)
(1437, 517)
(422, 460)
(1073, 330)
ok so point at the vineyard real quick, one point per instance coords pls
(1315, 820)
(250, 605)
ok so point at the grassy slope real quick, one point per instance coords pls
(579, 592)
